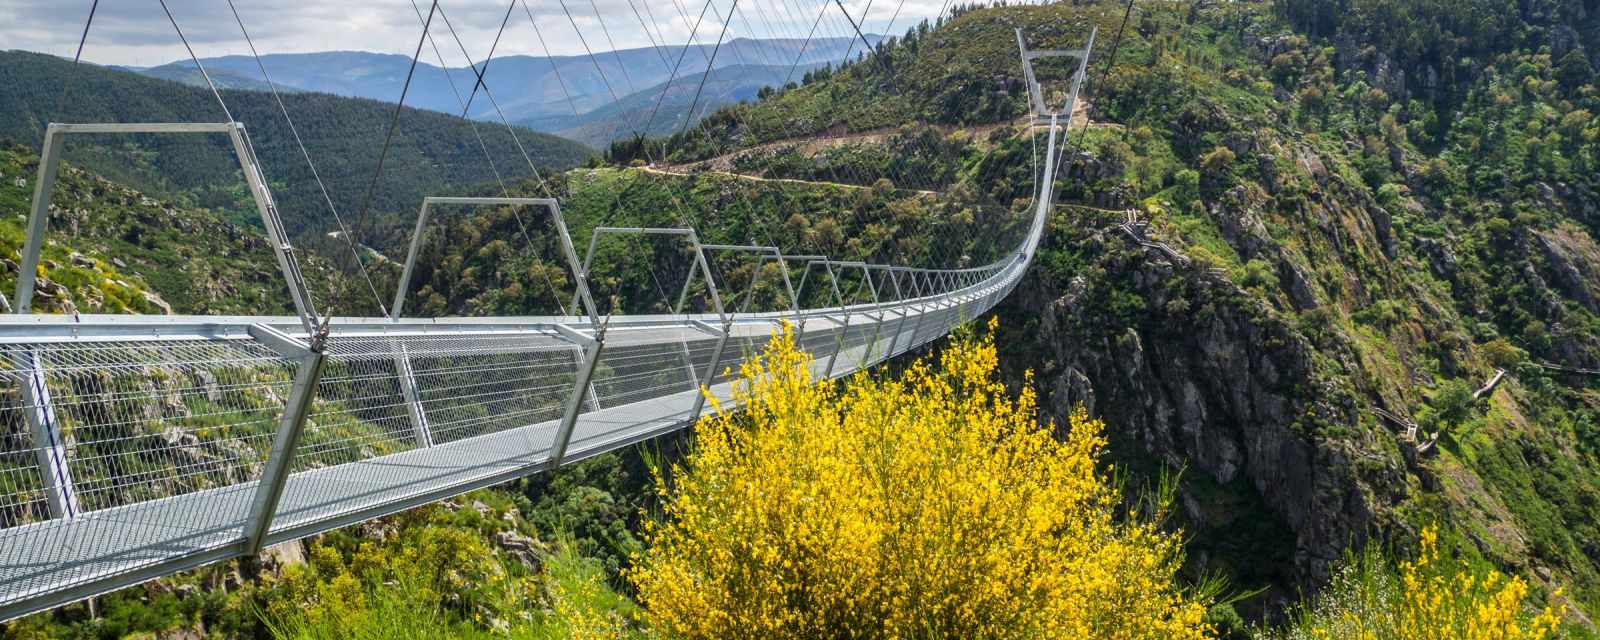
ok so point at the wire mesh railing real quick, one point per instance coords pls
(166, 426)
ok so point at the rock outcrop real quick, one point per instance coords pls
(1203, 377)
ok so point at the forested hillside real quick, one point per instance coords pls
(1375, 205)
(630, 115)
(431, 153)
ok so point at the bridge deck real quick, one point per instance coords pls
(119, 545)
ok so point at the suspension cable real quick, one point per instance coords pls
(1105, 69)
(585, 42)
(543, 184)
(394, 122)
(322, 187)
(195, 58)
(681, 54)
(707, 74)
(554, 68)
(72, 73)
(471, 124)
(481, 73)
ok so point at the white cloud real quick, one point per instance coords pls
(137, 32)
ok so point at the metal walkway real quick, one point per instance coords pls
(138, 446)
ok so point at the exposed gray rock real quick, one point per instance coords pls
(1221, 388)
(155, 299)
(277, 557)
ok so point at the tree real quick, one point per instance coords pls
(934, 505)
(1217, 161)
(1574, 69)
(1449, 406)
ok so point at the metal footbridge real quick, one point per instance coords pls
(155, 444)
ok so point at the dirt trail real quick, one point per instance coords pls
(836, 136)
(688, 170)
(724, 164)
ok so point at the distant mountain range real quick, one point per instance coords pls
(648, 112)
(566, 95)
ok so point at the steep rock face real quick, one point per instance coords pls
(1203, 377)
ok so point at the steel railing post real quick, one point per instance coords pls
(50, 447)
(38, 218)
(867, 357)
(408, 387)
(580, 387)
(711, 371)
(922, 309)
(267, 208)
(844, 327)
(285, 443)
(899, 297)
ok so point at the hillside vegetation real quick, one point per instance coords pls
(1374, 205)
(113, 249)
(431, 153)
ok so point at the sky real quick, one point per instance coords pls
(138, 33)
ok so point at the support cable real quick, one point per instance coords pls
(322, 187)
(707, 75)
(1105, 70)
(554, 68)
(472, 124)
(394, 122)
(196, 59)
(593, 60)
(481, 73)
(72, 73)
(543, 184)
(800, 55)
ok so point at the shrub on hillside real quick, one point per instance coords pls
(1435, 597)
(934, 505)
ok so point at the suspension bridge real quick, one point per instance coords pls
(272, 428)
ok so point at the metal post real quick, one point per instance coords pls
(844, 328)
(572, 263)
(727, 325)
(877, 304)
(922, 310)
(286, 443)
(554, 207)
(711, 371)
(402, 355)
(49, 445)
(898, 298)
(794, 303)
(408, 387)
(276, 235)
(580, 388)
(397, 308)
(49, 162)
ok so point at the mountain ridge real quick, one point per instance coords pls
(526, 87)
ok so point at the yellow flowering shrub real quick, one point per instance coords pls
(1432, 598)
(934, 505)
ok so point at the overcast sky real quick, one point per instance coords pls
(137, 33)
